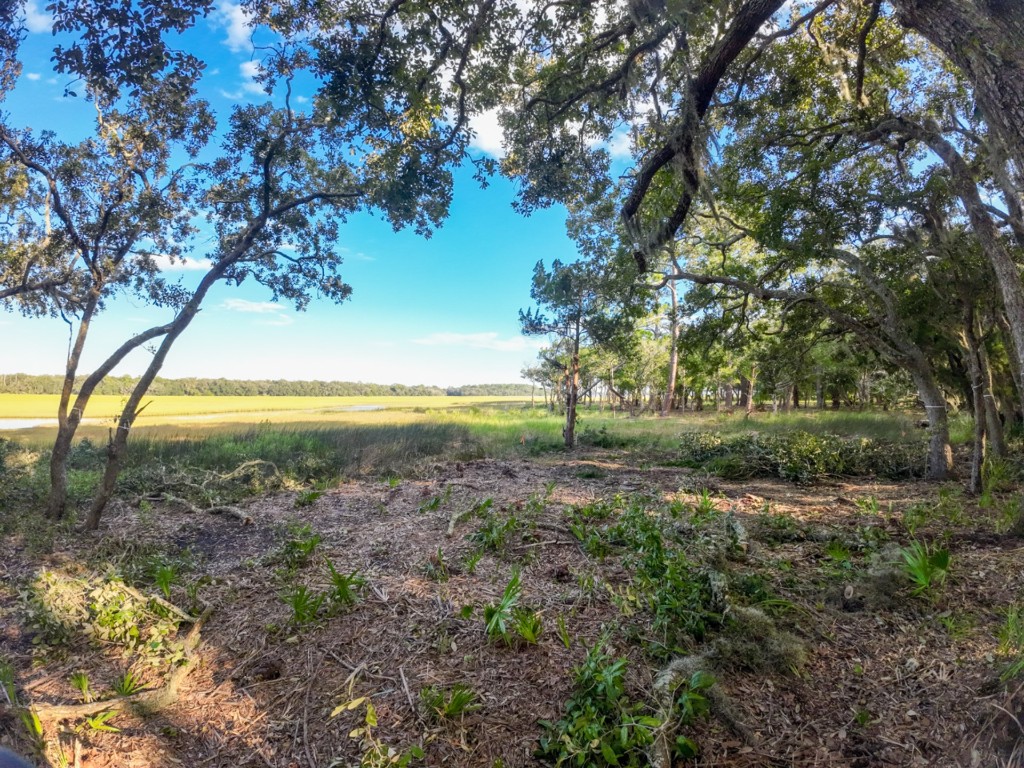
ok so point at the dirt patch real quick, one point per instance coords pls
(889, 679)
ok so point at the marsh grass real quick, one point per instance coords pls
(169, 407)
(298, 454)
(323, 447)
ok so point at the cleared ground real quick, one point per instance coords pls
(820, 651)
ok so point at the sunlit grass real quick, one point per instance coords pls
(320, 446)
(160, 409)
(498, 425)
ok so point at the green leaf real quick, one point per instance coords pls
(686, 748)
(101, 721)
(609, 754)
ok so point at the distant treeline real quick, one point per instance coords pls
(24, 384)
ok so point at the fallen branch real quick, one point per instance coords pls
(456, 518)
(242, 467)
(143, 703)
(222, 509)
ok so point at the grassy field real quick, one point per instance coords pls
(497, 425)
(319, 442)
(164, 409)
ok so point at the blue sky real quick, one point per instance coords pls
(440, 311)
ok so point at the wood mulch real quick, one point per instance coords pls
(891, 680)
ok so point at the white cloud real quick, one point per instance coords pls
(250, 70)
(619, 147)
(302, 99)
(488, 136)
(276, 316)
(163, 262)
(33, 75)
(36, 18)
(487, 340)
(236, 22)
(253, 307)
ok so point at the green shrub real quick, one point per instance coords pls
(300, 546)
(345, 588)
(445, 705)
(698, 447)
(602, 438)
(924, 566)
(601, 726)
(304, 603)
(801, 456)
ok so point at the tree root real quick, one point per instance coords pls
(143, 703)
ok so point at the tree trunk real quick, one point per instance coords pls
(572, 392)
(977, 379)
(940, 453)
(864, 391)
(986, 41)
(819, 389)
(68, 419)
(673, 352)
(170, 332)
(998, 255)
(750, 391)
(993, 424)
(1016, 372)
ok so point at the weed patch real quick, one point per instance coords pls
(601, 726)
